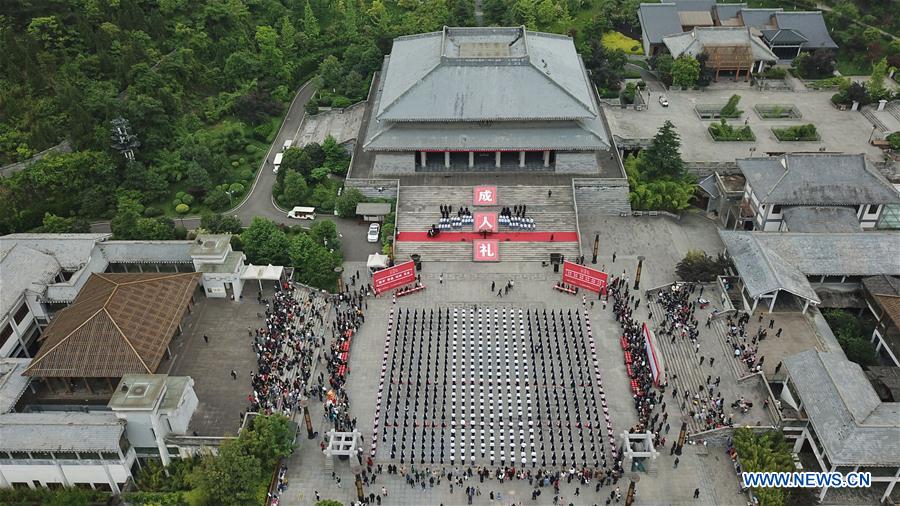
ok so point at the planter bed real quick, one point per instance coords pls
(777, 111)
(785, 134)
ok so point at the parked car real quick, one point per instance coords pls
(374, 230)
(287, 144)
(663, 101)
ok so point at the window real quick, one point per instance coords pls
(5, 333)
(872, 209)
(776, 209)
(20, 455)
(66, 455)
(109, 456)
(41, 456)
(21, 313)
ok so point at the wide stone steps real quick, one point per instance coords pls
(544, 221)
(680, 360)
(462, 251)
(719, 327)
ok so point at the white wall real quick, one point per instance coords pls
(181, 416)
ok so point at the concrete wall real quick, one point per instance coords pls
(181, 417)
(387, 164)
(374, 188)
(65, 471)
(576, 163)
(601, 196)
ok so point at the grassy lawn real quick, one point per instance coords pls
(618, 40)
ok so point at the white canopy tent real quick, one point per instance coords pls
(260, 272)
(377, 262)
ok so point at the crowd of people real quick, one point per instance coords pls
(651, 409)
(348, 317)
(746, 347)
(284, 348)
(703, 402)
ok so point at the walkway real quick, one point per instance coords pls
(499, 236)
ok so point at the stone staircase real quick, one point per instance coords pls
(737, 367)
(419, 208)
(680, 360)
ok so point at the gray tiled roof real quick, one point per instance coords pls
(817, 179)
(147, 251)
(850, 421)
(810, 24)
(821, 219)
(762, 269)
(758, 18)
(694, 5)
(708, 184)
(24, 268)
(821, 254)
(70, 250)
(426, 79)
(658, 21)
(694, 42)
(783, 37)
(728, 11)
(60, 431)
(882, 285)
(12, 383)
(373, 208)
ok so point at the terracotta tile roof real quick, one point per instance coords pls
(118, 324)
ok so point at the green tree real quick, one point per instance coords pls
(663, 158)
(155, 229)
(766, 452)
(230, 478)
(220, 224)
(313, 263)
(297, 160)
(310, 22)
(875, 85)
(270, 438)
(606, 65)
(663, 63)
(348, 200)
(698, 266)
(124, 224)
(325, 232)
(264, 243)
(54, 224)
(685, 71)
(329, 502)
(295, 189)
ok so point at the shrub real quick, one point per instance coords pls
(730, 110)
(628, 93)
(894, 140)
(152, 212)
(805, 132)
(346, 203)
(311, 107)
(724, 132)
(852, 334)
(641, 84)
(837, 82)
(774, 73)
(341, 102)
(182, 208)
(187, 199)
(606, 93)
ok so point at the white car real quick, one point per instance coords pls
(277, 162)
(663, 101)
(287, 144)
(374, 230)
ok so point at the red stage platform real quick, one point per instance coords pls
(500, 236)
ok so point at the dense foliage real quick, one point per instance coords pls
(805, 132)
(314, 253)
(853, 335)
(47, 497)
(766, 452)
(200, 84)
(685, 71)
(657, 176)
(238, 475)
(698, 266)
(730, 110)
(308, 175)
(722, 131)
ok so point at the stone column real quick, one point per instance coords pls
(521, 159)
(471, 159)
(446, 159)
(546, 158)
(424, 157)
(497, 159)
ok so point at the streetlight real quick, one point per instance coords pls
(596, 247)
(874, 127)
(338, 270)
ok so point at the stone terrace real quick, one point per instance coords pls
(419, 209)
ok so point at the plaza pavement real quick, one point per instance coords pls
(840, 131)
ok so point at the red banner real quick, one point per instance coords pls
(584, 277)
(485, 222)
(485, 250)
(655, 365)
(484, 196)
(398, 275)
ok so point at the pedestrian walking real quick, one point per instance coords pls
(549, 193)
(711, 361)
(233, 374)
(772, 323)
(696, 493)
(384, 491)
(493, 286)
(677, 460)
(778, 334)
(614, 257)
(206, 338)
(318, 498)
(441, 279)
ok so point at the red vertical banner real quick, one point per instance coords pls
(485, 250)
(584, 277)
(393, 277)
(485, 222)
(485, 196)
(656, 367)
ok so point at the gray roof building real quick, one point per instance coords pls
(809, 25)
(817, 180)
(700, 39)
(12, 382)
(821, 219)
(61, 432)
(851, 423)
(659, 21)
(484, 89)
(764, 271)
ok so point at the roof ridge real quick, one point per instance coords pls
(402, 94)
(127, 341)
(162, 275)
(37, 360)
(563, 88)
(781, 178)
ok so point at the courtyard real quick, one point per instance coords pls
(839, 131)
